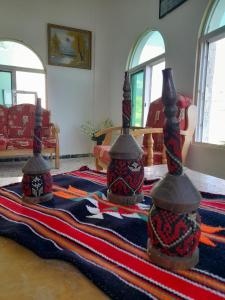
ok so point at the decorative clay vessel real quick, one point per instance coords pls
(173, 223)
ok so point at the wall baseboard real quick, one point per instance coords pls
(25, 158)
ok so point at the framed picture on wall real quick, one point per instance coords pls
(166, 6)
(69, 47)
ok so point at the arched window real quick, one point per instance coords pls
(211, 77)
(146, 63)
(22, 75)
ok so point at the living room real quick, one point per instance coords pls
(78, 95)
(75, 96)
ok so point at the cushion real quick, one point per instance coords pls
(21, 121)
(25, 143)
(45, 118)
(3, 142)
(20, 132)
(3, 120)
(46, 132)
(17, 126)
(102, 152)
(19, 143)
(48, 142)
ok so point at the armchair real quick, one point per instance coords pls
(152, 144)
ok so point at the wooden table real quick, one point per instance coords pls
(25, 276)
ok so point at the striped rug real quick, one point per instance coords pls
(107, 242)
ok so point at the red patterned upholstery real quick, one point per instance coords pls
(16, 129)
(17, 126)
(3, 120)
(46, 132)
(156, 119)
(48, 142)
(19, 143)
(3, 142)
(21, 121)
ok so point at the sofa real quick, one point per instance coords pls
(16, 132)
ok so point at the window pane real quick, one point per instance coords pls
(6, 88)
(22, 98)
(137, 84)
(214, 108)
(217, 16)
(18, 55)
(31, 82)
(157, 80)
(150, 46)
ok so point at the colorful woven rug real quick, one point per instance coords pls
(107, 242)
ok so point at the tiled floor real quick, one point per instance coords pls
(11, 172)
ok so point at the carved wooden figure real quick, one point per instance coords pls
(37, 180)
(174, 223)
(125, 173)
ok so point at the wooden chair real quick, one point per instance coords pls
(152, 144)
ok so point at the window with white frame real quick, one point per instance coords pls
(211, 78)
(22, 75)
(145, 68)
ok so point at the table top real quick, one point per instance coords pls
(31, 275)
(203, 182)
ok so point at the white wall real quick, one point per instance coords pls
(74, 95)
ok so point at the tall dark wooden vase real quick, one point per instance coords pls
(37, 180)
(125, 173)
(173, 223)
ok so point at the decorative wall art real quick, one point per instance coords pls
(69, 47)
(166, 6)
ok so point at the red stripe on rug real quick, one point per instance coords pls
(91, 177)
(218, 205)
(130, 262)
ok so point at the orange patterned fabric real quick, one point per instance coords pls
(102, 152)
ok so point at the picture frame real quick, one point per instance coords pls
(166, 6)
(69, 47)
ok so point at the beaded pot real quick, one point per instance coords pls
(37, 180)
(173, 223)
(125, 173)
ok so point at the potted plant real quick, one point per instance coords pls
(89, 129)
